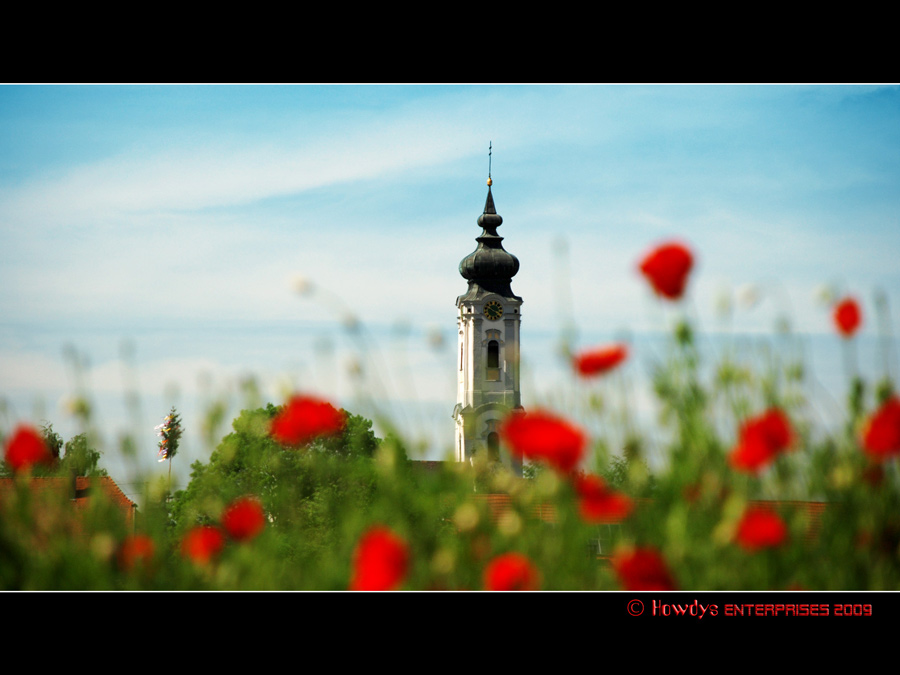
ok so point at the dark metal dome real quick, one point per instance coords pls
(489, 268)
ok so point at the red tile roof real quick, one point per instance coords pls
(499, 503)
(80, 492)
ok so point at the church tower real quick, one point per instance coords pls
(488, 325)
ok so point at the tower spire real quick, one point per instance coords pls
(489, 202)
(489, 268)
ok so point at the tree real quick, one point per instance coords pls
(357, 439)
(169, 434)
(80, 459)
(53, 440)
(75, 456)
(302, 489)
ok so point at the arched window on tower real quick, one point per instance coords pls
(493, 361)
(493, 446)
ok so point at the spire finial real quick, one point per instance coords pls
(489, 181)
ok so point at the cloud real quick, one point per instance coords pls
(238, 169)
(189, 248)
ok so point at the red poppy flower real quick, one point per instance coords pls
(137, 549)
(881, 437)
(380, 562)
(511, 572)
(642, 569)
(847, 317)
(599, 361)
(666, 268)
(761, 439)
(599, 504)
(304, 419)
(761, 528)
(543, 437)
(243, 519)
(202, 543)
(25, 448)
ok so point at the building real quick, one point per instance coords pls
(77, 491)
(488, 323)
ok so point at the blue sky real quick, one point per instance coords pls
(177, 220)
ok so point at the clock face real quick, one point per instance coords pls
(493, 310)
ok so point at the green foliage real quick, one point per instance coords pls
(531, 470)
(318, 501)
(53, 440)
(75, 457)
(356, 440)
(80, 458)
(304, 491)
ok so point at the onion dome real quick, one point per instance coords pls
(489, 268)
